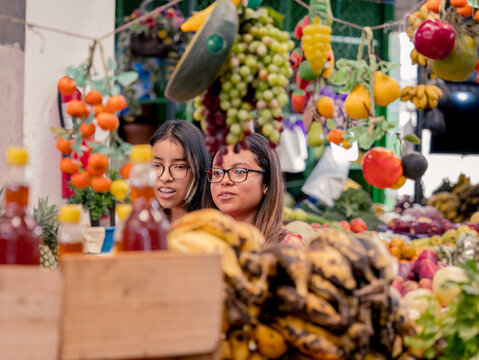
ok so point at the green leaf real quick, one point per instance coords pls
(365, 141)
(390, 125)
(90, 118)
(473, 3)
(127, 78)
(77, 148)
(339, 77)
(277, 17)
(111, 63)
(341, 63)
(101, 86)
(413, 139)
(115, 90)
(468, 332)
(331, 124)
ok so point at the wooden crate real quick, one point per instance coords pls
(30, 311)
(141, 306)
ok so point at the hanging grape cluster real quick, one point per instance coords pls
(316, 44)
(251, 86)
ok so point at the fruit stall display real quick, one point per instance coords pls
(329, 300)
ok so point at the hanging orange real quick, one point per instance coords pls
(81, 180)
(125, 170)
(101, 184)
(87, 130)
(335, 136)
(116, 103)
(69, 166)
(66, 86)
(64, 145)
(97, 164)
(107, 121)
(93, 97)
(76, 108)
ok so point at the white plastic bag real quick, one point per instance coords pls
(292, 150)
(327, 179)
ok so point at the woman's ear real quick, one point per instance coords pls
(265, 189)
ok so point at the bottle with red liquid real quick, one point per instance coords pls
(19, 234)
(146, 227)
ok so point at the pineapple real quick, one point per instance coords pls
(46, 216)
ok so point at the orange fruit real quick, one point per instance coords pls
(97, 164)
(99, 108)
(476, 17)
(100, 184)
(408, 251)
(458, 3)
(69, 166)
(87, 130)
(76, 108)
(466, 11)
(64, 145)
(395, 251)
(396, 243)
(335, 136)
(433, 5)
(93, 97)
(116, 103)
(66, 86)
(325, 106)
(81, 180)
(125, 170)
(107, 121)
(399, 183)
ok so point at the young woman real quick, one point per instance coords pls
(249, 186)
(180, 160)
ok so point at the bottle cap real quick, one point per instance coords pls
(70, 213)
(123, 210)
(141, 153)
(17, 155)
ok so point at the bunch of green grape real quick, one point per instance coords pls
(253, 83)
(316, 41)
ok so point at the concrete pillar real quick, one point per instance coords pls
(12, 47)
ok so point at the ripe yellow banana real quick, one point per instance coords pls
(421, 90)
(414, 55)
(195, 22)
(407, 93)
(421, 60)
(431, 103)
(250, 237)
(270, 343)
(210, 220)
(239, 345)
(431, 92)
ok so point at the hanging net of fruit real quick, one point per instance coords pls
(250, 90)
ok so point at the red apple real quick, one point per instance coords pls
(435, 39)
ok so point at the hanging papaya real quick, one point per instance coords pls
(386, 89)
(357, 103)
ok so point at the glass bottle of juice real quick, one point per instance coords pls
(123, 211)
(70, 238)
(19, 234)
(146, 227)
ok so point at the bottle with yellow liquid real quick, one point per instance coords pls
(123, 211)
(146, 226)
(70, 238)
(19, 234)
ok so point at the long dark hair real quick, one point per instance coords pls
(269, 215)
(192, 140)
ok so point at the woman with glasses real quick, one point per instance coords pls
(249, 186)
(179, 159)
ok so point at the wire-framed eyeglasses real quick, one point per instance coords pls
(177, 171)
(236, 174)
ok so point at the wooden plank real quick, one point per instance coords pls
(30, 311)
(141, 305)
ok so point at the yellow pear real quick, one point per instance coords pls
(357, 103)
(386, 89)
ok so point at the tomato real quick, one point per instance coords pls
(381, 168)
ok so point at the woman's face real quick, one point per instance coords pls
(171, 192)
(239, 200)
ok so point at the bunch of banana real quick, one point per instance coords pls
(423, 96)
(329, 301)
(447, 203)
(417, 18)
(417, 58)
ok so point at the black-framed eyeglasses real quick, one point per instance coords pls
(236, 174)
(177, 171)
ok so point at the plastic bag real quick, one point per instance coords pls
(292, 150)
(327, 179)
